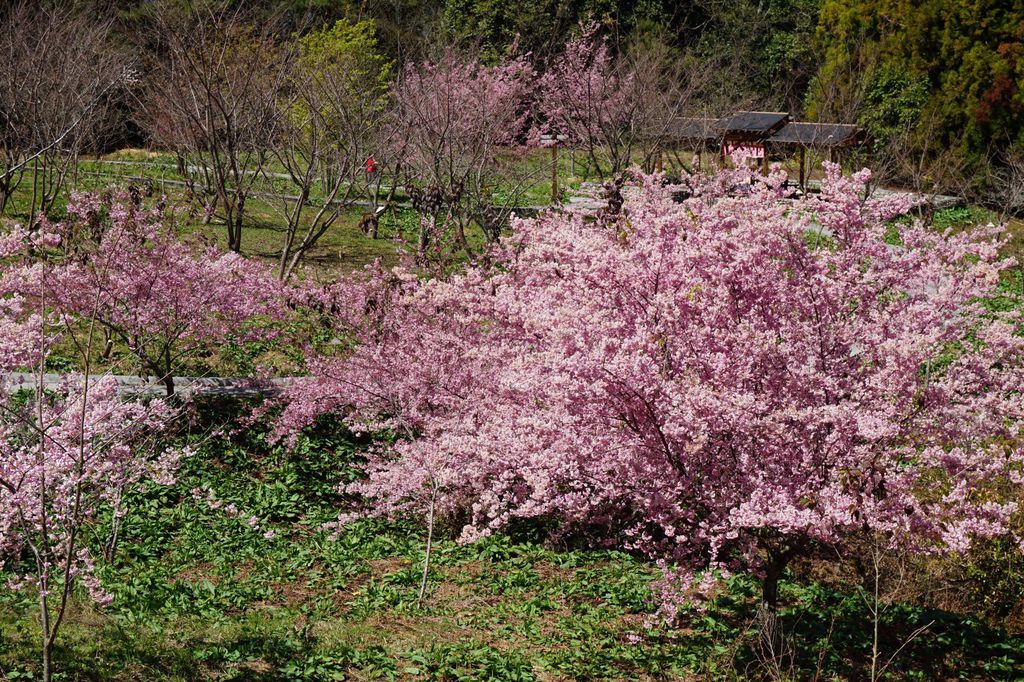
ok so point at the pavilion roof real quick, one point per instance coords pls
(772, 127)
(804, 134)
(753, 122)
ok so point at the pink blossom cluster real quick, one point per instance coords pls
(68, 450)
(451, 123)
(60, 458)
(20, 333)
(159, 296)
(720, 383)
(83, 571)
(582, 95)
(456, 109)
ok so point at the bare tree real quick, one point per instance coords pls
(212, 98)
(1008, 183)
(329, 135)
(1008, 186)
(58, 78)
(915, 160)
(664, 86)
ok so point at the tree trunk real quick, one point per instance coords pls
(430, 538)
(424, 239)
(35, 187)
(769, 633)
(44, 623)
(168, 382)
(166, 374)
(235, 229)
(5, 192)
(108, 344)
(460, 237)
(770, 586)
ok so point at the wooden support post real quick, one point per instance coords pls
(764, 160)
(554, 171)
(803, 179)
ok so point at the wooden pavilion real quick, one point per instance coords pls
(695, 133)
(764, 134)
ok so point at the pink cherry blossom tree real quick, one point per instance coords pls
(64, 452)
(451, 120)
(62, 456)
(729, 382)
(585, 98)
(619, 108)
(160, 297)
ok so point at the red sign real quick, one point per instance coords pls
(750, 151)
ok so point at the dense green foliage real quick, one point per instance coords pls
(968, 56)
(759, 51)
(351, 50)
(893, 101)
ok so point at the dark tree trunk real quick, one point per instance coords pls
(163, 373)
(168, 382)
(423, 241)
(108, 344)
(770, 634)
(770, 586)
(235, 231)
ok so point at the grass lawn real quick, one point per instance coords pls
(344, 247)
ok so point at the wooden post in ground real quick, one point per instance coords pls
(803, 179)
(764, 160)
(554, 171)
